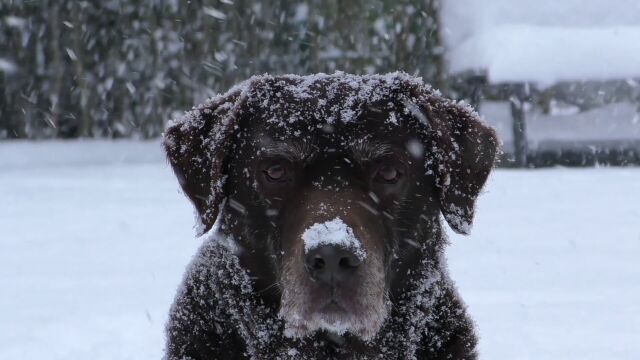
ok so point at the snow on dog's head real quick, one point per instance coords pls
(329, 183)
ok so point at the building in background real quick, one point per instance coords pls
(569, 72)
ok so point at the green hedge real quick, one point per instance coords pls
(117, 68)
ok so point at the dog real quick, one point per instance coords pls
(320, 200)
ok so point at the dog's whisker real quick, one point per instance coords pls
(368, 207)
(269, 287)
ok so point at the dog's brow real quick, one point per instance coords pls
(292, 151)
(364, 151)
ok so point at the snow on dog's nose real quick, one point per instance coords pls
(335, 233)
(332, 252)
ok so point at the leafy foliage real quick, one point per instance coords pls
(120, 68)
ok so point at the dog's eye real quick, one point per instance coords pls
(387, 174)
(275, 172)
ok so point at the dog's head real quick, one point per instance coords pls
(330, 185)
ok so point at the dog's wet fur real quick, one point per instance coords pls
(267, 179)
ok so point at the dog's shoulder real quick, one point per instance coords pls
(199, 326)
(453, 336)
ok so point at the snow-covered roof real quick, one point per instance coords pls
(543, 41)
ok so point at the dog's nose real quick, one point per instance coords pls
(331, 264)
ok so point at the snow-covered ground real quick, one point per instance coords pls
(94, 238)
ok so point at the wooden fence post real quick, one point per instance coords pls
(517, 100)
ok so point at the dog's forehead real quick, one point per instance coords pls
(316, 100)
(326, 113)
(371, 128)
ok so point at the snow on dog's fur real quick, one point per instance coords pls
(358, 166)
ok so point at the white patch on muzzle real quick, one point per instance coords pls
(369, 306)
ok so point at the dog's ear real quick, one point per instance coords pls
(461, 151)
(197, 146)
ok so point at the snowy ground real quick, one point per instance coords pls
(94, 238)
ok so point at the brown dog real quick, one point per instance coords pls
(327, 191)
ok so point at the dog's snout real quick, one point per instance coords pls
(331, 264)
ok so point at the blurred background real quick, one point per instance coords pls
(558, 81)
(95, 234)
